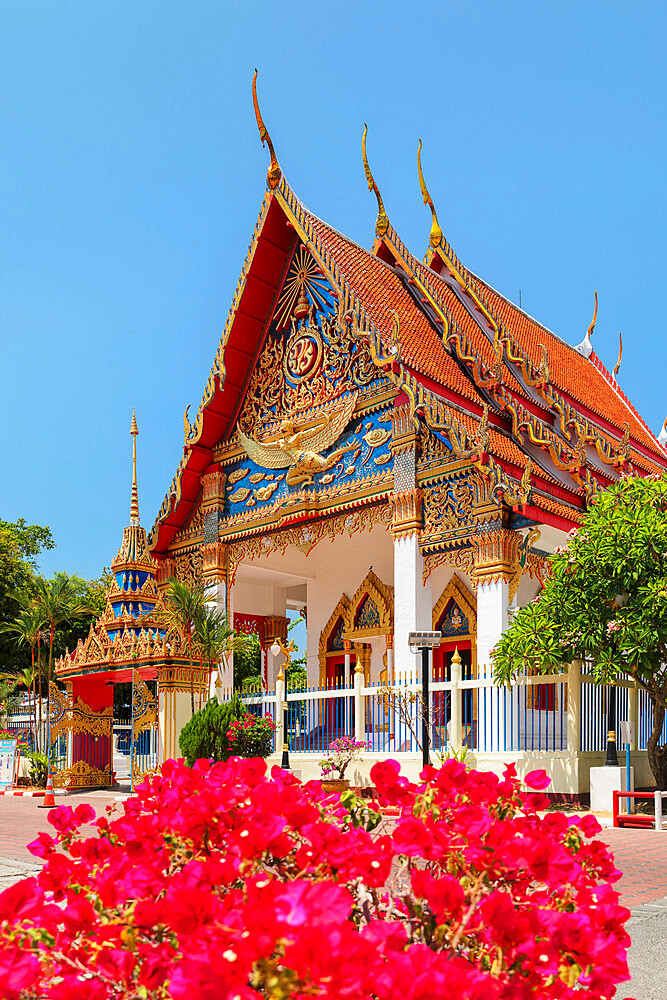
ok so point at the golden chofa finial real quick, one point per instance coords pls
(617, 366)
(435, 236)
(382, 222)
(274, 172)
(586, 347)
(134, 501)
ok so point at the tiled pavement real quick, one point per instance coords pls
(642, 857)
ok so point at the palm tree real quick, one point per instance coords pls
(182, 608)
(214, 636)
(27, 631)
(56, 602)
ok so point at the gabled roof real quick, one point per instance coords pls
(448, 329)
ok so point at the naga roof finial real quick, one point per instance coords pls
(617, 366)
(382, 221)
(274, 173)
(134, 501)
(435, 236)
(585, 348)
(662, 436)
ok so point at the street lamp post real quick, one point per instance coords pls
(425, 641)
(276, 647)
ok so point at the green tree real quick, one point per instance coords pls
(605, 600)
(183, 607)
(20, 544)
(56, 602)
(26, 632)
(247, 661)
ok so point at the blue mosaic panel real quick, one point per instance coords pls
(336, 637)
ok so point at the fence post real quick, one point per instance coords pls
(359, 716)
(455, 734)
(574, 706)
(279, 714)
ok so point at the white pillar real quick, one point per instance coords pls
(574, 706)
(359, 708)
(455, 734)
(413, 604)
(173, 713)
(492, 604)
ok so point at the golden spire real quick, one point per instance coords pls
(382, 222)
(134, 502)
(274, 172)
(435, 236)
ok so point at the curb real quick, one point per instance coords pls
(30, 792)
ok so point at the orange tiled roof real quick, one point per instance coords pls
(581, 379)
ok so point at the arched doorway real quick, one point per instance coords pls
(455, 615)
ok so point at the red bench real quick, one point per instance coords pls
(636, 819)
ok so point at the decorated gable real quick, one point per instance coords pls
(315, 418)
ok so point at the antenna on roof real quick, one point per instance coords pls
(435, 236)
(274, 173)
(519, 298)
(585, 348)
(382, 221)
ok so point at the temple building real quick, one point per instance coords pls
(385, 442)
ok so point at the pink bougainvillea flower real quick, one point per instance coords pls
(537, 779)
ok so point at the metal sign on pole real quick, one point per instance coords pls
(425, 641)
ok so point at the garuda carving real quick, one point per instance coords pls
(287, 450)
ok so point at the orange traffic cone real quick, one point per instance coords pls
(49, 800)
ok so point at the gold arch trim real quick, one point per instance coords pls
(457, 591)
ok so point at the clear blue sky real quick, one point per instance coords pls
(131, 177)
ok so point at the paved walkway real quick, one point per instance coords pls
(642, 857)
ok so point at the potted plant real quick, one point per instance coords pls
(342, 752)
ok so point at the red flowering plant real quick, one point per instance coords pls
(218, 882)
(251, 736)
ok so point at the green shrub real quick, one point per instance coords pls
(205, 735)
(251, 736)
(39, 765)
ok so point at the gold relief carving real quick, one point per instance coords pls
(306, 537)
(240, 495)
(266, 492)
(214, 562)
(406, 513)
(382, 459)
(276, 389)
(342, 610)
(462, 559)
(496, 552)
(285, 449)
(404, 430)
(213, 486)
(144, 706)
(237, 475)
(78, 717)
(275, 627)
(182, 678)
(456, 590)
(450, 505)
(382, 596)
(304, 281)
(188, 566)
(519, 566)
(81, 775)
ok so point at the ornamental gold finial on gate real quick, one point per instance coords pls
(382, 221)
(435, 236)
(274, 173)
(134, 501)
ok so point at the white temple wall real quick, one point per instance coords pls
(338, 567)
